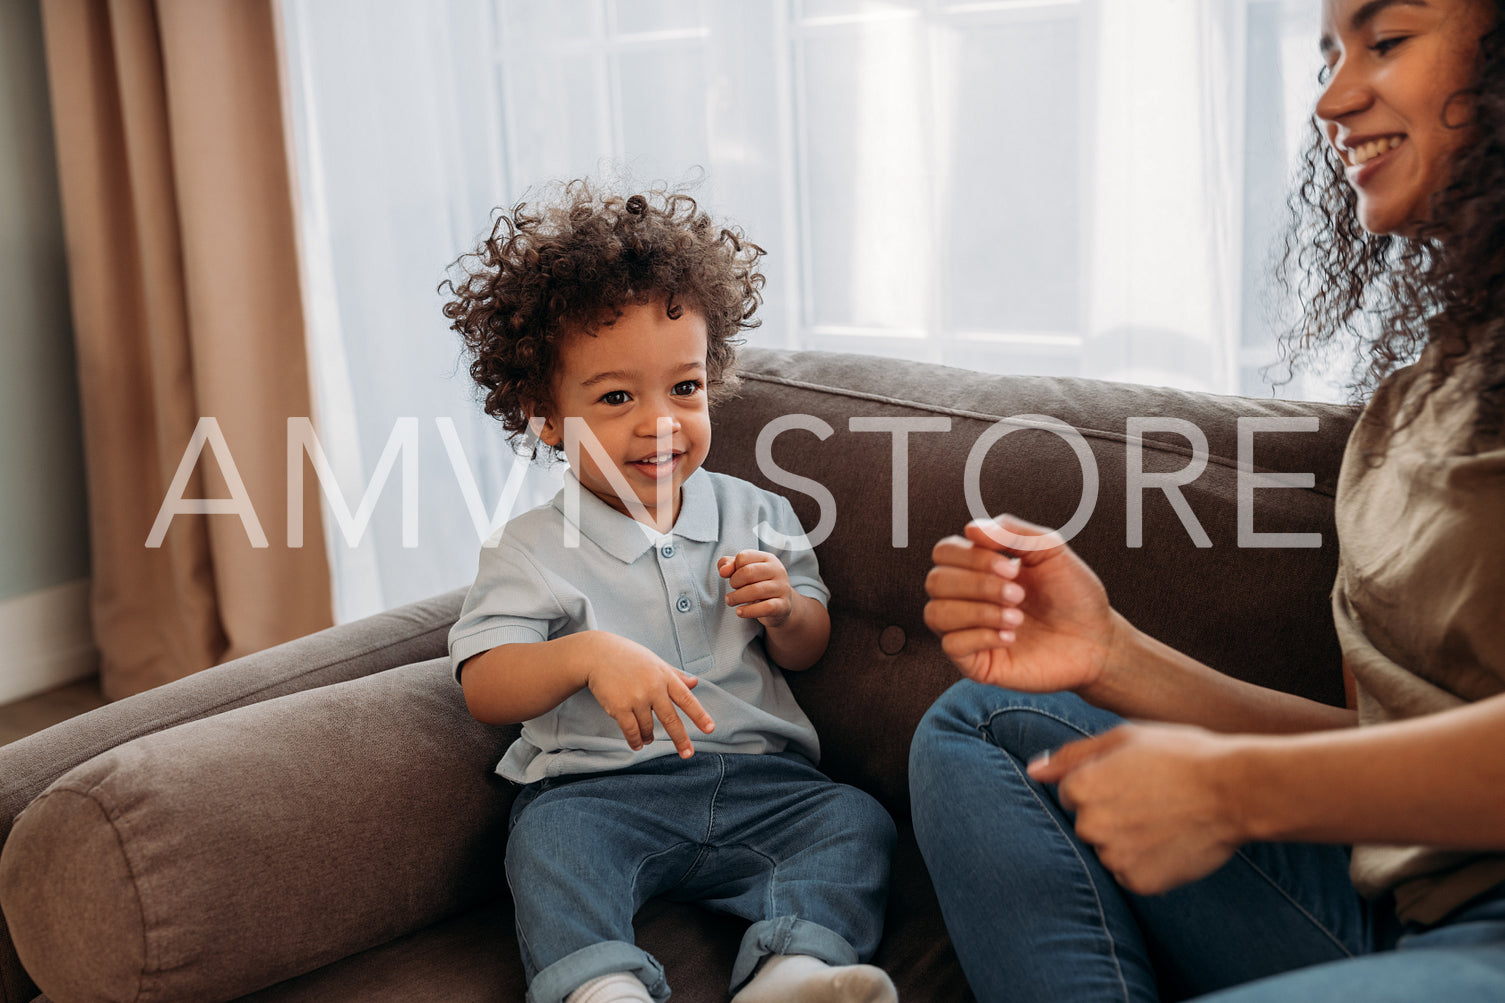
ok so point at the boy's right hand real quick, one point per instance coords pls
(633, 684)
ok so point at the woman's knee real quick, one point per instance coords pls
(951, 735)
(974, 710)
(974, 719)
(970, 705)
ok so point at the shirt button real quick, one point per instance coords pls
(667, 550)
(683, 604)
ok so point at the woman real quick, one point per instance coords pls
(1206, 851)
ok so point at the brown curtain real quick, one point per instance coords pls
(177, 206)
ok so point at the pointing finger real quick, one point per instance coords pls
(675, 728)
(691, 706)
(1051, 767)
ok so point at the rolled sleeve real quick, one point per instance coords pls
(814, 590)
(487, 637)
(510, 603)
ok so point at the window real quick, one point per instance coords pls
(1070, 187)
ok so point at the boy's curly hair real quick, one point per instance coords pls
(572, 262)
(1397, 294)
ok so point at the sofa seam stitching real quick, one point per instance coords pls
(94, 797)
(147, 965)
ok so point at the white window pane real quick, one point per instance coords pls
(656, 15)
(1014, 214)
(868, 221)
(812, 9)
(526, 23)
(1264, 163)
(663, 111)
(559, 123)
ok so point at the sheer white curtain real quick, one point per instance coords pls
(1078, 187)
(396, 128)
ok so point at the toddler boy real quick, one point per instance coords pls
(659, 594)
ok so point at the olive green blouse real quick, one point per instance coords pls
(1420, 599)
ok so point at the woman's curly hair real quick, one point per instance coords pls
(1397, 294)
(571, 263)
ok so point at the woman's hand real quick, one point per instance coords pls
(1015, 607)
(1151, 800)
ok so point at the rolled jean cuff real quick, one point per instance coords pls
(572, 971)
(788, 935)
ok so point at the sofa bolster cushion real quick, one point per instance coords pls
(217, 857)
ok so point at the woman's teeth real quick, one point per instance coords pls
(1361, 155)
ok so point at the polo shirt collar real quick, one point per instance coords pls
(626, 539)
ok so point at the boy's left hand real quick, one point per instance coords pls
(760, 587)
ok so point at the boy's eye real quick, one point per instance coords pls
(687, 388)
(1384, 45)
(615, 397)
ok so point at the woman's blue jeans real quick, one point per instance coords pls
(1035, 916)
(766, 837)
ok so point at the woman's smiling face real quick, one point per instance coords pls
(1391, 105)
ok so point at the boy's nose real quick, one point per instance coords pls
(657, 423)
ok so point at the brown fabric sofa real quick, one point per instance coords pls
(319, 821)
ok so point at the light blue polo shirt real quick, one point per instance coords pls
(553, 574)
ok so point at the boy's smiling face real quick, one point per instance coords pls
(620, 382)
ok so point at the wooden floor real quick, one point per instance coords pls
(22, 718)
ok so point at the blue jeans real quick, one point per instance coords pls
(766, 837)
(1035, 916)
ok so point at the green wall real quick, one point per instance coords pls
(43, 533)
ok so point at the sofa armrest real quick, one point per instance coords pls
(412, 633)
(215, 858)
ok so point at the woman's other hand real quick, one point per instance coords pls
(1151, 800)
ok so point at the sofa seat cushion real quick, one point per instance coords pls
(221, 856)
(474, 956)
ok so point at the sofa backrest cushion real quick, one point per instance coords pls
(1256, 612)
(209, 860)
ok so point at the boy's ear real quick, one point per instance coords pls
(541, 425)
